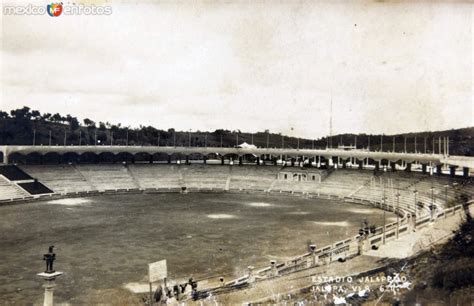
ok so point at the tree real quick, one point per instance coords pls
(89, 123)
(3, 114)
(21, 113)
(57, 118)
(47, 116)
(36, 115)
(73, 122)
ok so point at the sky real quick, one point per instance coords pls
(388, 67)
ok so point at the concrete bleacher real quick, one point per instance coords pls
(205, 177)
(59, 178)
(252, 177)
(344, 183)
(156, 176)
(9, 190)
(107, 177)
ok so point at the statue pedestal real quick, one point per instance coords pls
(49, 285)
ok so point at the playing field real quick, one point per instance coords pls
(105, 242)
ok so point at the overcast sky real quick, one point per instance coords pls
(389, 67)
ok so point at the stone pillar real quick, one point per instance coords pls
(393, 166)
(274, 161)
(408, 167)
(49, 293)
(222, 160)
(424, 168)
(169, 159)
(465, 172)
(361, 164)
(49, 285)
(187, 159)
(439, 169)
(292, 162)
(258, 161)
(377, 166)
(240, 160)
(344, 164)
(204, 159)
(452, 171)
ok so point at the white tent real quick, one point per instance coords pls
(245, 145)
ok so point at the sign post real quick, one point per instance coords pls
(156, 271)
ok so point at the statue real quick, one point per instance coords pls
(49, 257)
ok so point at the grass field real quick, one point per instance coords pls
(105, 242)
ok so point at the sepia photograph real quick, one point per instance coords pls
(236, 152)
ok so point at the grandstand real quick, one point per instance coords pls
(60, 178)
(10, 191)
(414, 189)
(107, 177)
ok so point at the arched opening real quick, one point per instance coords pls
(231, 158)
(106, 158)
(176, 157)
(249, 159)
(196, 157)
(89, 158)
(143, 157)
(1, 157)
(17, 158)
(51, 158)
(70, 157)
(160, 158)
(213, 158)
(125, 157)
(34, 158)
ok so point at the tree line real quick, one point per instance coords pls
(26, 126)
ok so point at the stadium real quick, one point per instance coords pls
(235, 220)
(236, 153)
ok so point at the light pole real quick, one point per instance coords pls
(415, 192)
(432, 202)
(312, 247)
(274, 268)
(398, 217)
(384, 214)
(49, 137)
(446, 195)
(34, 137)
